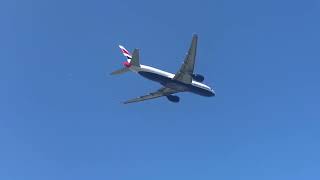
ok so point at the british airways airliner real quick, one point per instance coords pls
(183, 81)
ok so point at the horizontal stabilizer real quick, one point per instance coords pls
(120, 71)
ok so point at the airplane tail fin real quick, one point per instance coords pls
(135, 58)
(132, 60)
(126, 53)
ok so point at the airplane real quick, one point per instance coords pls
(183, 81)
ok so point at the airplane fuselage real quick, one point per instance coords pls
(167, 79)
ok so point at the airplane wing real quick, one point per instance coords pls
(161, 92)
(186, 69)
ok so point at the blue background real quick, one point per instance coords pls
(60, 110)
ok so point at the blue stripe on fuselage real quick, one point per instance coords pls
(166, 80)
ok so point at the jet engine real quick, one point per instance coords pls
(173, 98)
(198, 77)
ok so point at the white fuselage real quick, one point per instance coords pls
(163, 76)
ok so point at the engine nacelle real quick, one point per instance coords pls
(198, 77)
(173, 98)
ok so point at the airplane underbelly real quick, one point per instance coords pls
(165, 81)
(154, 77)
(200, 91)
(176, 86)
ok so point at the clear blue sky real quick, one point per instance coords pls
(60, 111)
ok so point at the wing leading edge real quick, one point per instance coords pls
(186, 69)
(159, 93)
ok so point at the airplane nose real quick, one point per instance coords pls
(213, 93)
